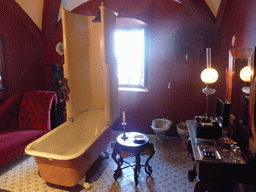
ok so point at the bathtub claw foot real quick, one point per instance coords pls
(87, 185)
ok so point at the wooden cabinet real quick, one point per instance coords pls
(242, 103)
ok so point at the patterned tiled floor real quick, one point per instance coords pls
(170, 166)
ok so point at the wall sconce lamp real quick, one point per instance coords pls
(209, 76)
(245, 75)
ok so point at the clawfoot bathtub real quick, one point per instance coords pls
(64, 155)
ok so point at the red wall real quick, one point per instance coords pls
(185, 98)
(23, 51)
(26, 57)
(238, 20)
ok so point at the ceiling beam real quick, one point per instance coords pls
(200, 11)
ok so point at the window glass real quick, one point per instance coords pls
(130, 53)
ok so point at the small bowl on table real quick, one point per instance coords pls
(225, 142)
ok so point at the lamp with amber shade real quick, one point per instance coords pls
(209, 76)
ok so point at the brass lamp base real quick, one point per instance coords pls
(124, 137)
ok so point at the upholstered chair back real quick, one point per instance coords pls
(35, 109)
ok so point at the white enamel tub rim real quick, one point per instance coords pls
(30, 151)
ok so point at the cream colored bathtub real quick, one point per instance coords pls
(64, 155)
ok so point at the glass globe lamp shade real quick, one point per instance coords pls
(245, 74)
(209, 76)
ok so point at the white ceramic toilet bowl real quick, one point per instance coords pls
(182, 130)
(161, 125)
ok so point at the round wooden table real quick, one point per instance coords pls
(135, 143)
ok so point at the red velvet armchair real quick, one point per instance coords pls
(24, 117)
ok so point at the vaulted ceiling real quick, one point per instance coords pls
(35, 8)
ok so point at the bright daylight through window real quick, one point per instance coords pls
(130, 52)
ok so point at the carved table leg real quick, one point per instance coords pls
(137, 166)
(119, 162)
(148, 168)
(192, 174)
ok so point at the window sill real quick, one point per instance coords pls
(132, 89)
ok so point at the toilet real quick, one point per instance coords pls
(160, 127)
(182, 131)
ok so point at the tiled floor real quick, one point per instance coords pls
(170, 165)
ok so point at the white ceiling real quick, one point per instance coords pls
(213, 5)
(71, 4)
(34, 8)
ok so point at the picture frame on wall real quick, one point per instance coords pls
(2, 65)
